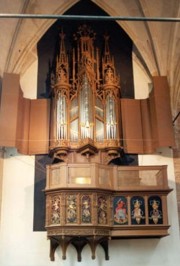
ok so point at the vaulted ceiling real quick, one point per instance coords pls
(158, 43)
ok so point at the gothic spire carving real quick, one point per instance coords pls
(85, 107)
(110, 78)
(62, 65)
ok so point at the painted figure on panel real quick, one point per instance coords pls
(120, 210)
(86, 209)
(102, 210)
(155, 213)
(71, 209)
(55, 216)
(137, 212)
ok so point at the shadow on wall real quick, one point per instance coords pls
(128, 252)
(39, 197)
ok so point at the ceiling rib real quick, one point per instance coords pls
(15, 35)
(151, 44)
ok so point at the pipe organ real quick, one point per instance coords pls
(85, 126)
(89, 200)
(85, 99)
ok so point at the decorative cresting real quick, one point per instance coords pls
(91, 203)
(85, 113)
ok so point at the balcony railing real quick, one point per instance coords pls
(91, 203)
(95, 175)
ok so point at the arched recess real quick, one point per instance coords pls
(137, 31)
(24, 41)
(22, 51)
(120, 43)
(121, 47)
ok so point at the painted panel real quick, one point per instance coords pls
(137, 210)
(120, 210)
(155, 210)
(86, 213)
(71, 209)
(55, 210)
(102, 210)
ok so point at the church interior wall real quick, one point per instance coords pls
(21, 246)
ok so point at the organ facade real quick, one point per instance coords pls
(85, 110)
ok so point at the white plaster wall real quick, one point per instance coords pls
(20, 246)
(29, 81)
(141, 80)
(1, 177)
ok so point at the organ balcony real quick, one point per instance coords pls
(90, 203)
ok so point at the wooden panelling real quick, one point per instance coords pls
(22, 141)
(24, 123)
(39, 126)
(147, 124)
(11, 93)
(162, 126)
(132, 126)
(148, 144)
